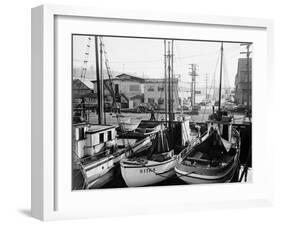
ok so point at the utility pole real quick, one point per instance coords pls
(193, 73)
(248, 52)
(99, 84)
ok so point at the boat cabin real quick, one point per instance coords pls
(90, 139)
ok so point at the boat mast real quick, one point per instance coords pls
(172, 92)
(165, 79)
(220, 78)
(206, 80)
(169, 82)
(172, 82)
(99, 84)
(170, 108)
(101, 75)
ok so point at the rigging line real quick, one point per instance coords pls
(162, 91)
(84, 64)
(109, 78)
(226, 77)
(160, 60)
(177, 50)
(214, 93)
(212, 84)
(86, 58)
(113, 93)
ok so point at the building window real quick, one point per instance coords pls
(244, 76)
(150, 100)
(160, 88)
(116, 88)
(160, 101)
(109, 135)
(150, 89)
(101, 137)
(134, 88)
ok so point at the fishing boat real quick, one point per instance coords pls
(98, 151)
(214, 156)
(158, 162)
(93, 148)
(156, 165)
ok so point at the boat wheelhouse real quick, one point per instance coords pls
(93, 148)
(91, 139)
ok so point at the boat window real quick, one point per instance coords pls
(109, 135)
(81, 133)
(101, 137)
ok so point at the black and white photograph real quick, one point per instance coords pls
(152, 111)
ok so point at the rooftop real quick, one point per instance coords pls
(157, 80)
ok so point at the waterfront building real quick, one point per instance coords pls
(83, 100)
(127, 88)
(133, 91)
(79, 88)
(154, 92)
(242, 88)
(82, 94)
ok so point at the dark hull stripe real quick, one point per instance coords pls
(225, 177)
(144, 165)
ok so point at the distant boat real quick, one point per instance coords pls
(145, 128)
(125, 125)
(156, 165)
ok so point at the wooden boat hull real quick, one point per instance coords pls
(102, 179)
(193, 178)
(152, 172)
(97, 173)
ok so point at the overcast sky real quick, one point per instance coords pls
(144, 58)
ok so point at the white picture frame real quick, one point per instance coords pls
(51, 199)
